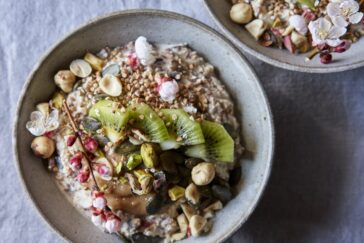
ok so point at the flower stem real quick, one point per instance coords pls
(77, 133)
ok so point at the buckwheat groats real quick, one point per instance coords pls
(142, 139)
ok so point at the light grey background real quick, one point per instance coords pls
(316, 190)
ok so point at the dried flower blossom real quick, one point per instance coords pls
(324, 32)
(343, 12)
(40, 123)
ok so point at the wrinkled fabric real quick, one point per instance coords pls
(315, 193)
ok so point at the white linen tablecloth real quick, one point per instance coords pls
(316, 190)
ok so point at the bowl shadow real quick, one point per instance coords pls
(309, 170)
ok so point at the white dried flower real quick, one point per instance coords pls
(324, 32)
(343, 12)
(41, 123)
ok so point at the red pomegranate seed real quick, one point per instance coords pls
(91, 144)
(83, 176)
(71, 140)
(50, 134)
(344, 46)
(96, 194)
(188, 232)
(325, 58)
(103, 169)
(308, 15)
(75, 160)
(133, 61)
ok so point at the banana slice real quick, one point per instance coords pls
(110, 85)
(80, 68)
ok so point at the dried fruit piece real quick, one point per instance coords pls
(95, 62)
(176, 193)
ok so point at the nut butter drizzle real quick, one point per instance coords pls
(78, 135)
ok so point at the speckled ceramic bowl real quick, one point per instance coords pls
(219, 10)
(163, 27)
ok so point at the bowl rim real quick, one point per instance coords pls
(280, 64)
(154, 12)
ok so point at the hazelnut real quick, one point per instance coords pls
(241, 13)
(65, 79)
(43, 147)
(203, 173)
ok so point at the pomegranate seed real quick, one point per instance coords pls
(188, 232)
(323, 47)
(308, 15)
(103, 169)
(344, 46)
(50, 134)
(83, 176)
(75, 160)
(133, 61)
(91, 145)
(96, 211)
(96, 194)
(71, 140)
(325, 58)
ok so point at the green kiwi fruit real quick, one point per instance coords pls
(112, 118)
(218, 146)
(182, 128)
(145, 119)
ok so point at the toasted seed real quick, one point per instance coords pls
(80, 68)
(112, 69)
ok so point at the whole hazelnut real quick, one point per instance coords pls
(241, 13)
(65, 79)
(43, 147)
(203, 173)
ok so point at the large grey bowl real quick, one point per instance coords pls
(219, 10)
(159, 26)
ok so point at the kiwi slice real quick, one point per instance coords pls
(182, 128)
(145, 119)
(218, 146)
(111, 117)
